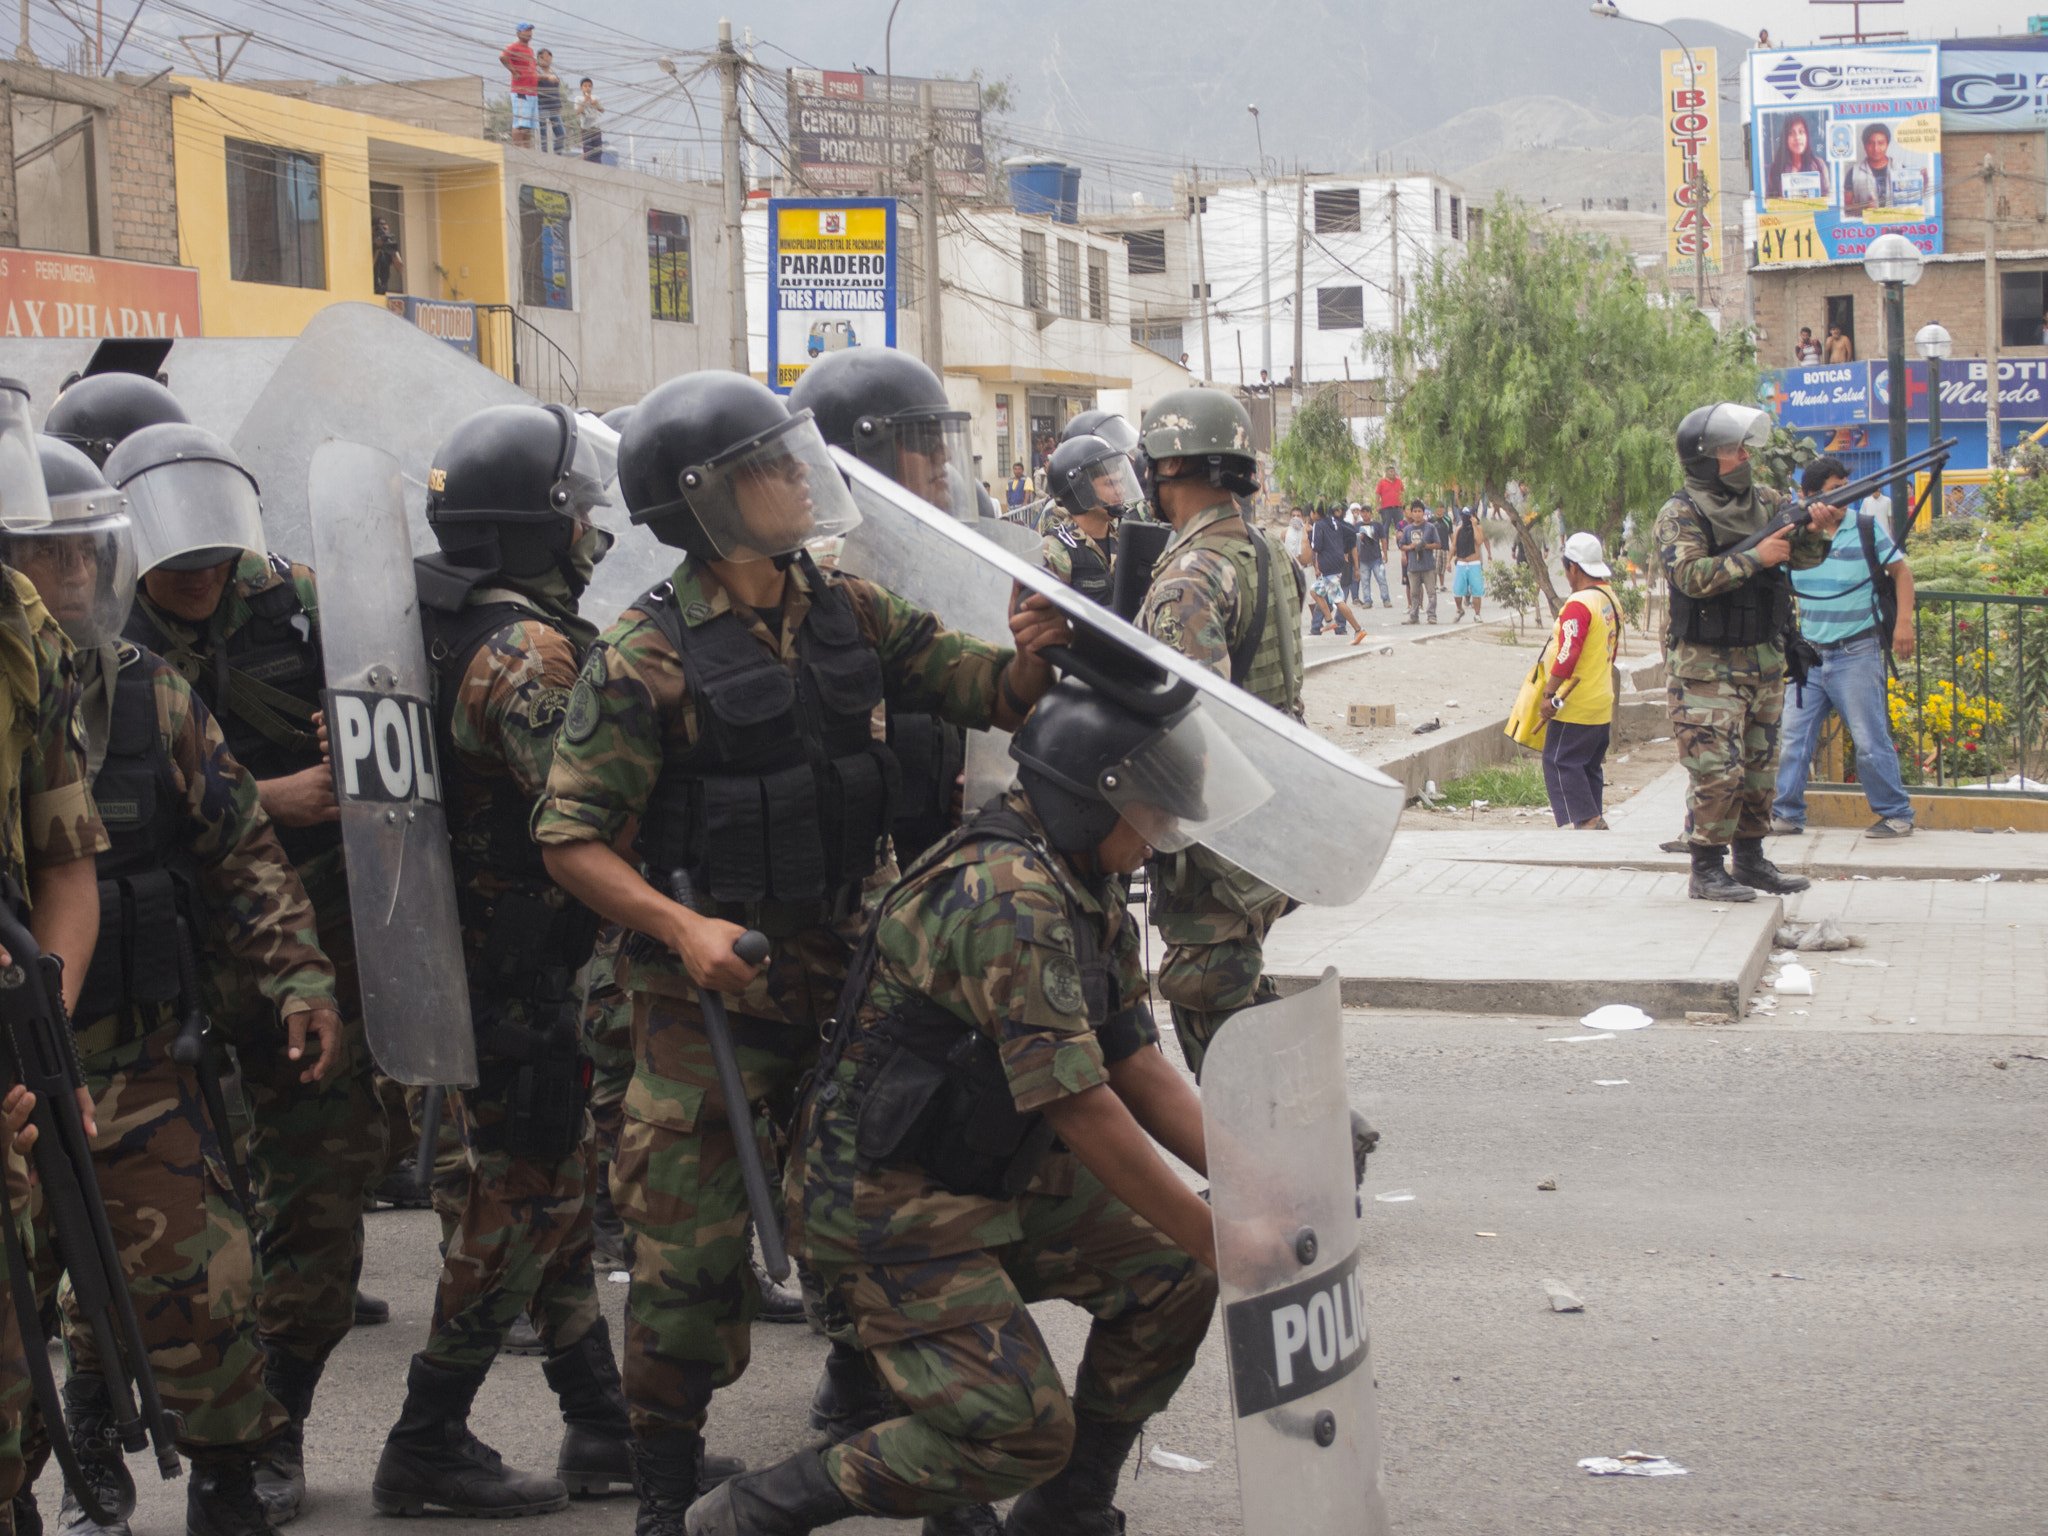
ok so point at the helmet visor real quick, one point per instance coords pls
(773, 496)
(931, 455)
(1734, 425)
(1118, 433)
(194, 512)
(24, 502)
(1183, 784)
(82, 566)
(592, 476)
(1107, 484)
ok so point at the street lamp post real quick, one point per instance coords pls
(1265, 260)
(1893, 262)
(1607, 11)
(1934, 344)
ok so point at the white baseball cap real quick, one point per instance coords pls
(1584, 551)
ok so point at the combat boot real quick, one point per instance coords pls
(220, 1495)
(788, 1499)
(607, 1230)
(597, 1442)
(431, 1460)
(89, 1419)
(1759, 873)
(850, 1398)
(281, 1462)
(28, 1519)
(777, 1305)
(968, 1520)
(1075, 1501)
(1710, 881)
(670, 1467)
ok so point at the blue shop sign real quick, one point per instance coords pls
(1965, 390)
(1822, 395)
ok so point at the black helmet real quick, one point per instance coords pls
(1088, 474)
(511, 487)
(617, 417)
(101, 409)
(192, 501)
(1107, 425)
(1713, 427)
(890, 410)
(716, 465)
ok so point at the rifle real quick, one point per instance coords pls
(752, 947)
(189, 1050)
(1800, 513)
(38, 1047)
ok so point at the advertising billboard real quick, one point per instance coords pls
(1692, 154)
(1846, 145)
(831, 281)
(844, 127)
(50, 293)
(1994, 84)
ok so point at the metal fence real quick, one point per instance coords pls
(1971, 707)
(511, 345)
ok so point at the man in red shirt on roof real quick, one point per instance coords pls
(519, 62)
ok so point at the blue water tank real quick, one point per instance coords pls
(1041, 186)
(1070, 195)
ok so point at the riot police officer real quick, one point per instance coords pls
(513, 497)
(728, 712)
(889, 410)
(243, 629)
(1092, 483)
(96, 412)
(1050, 511)
(1222, 596)
(193, 864)
(1724, 650)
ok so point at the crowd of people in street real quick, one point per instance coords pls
(1349, 553)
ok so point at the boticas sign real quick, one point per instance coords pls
(53, 293)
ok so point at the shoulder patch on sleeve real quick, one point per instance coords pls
(1062, 979)
(580, 715)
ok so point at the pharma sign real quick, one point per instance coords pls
(48, 293)
(831, 281)
(1846, 144)
(844, 128)
(1692, 147)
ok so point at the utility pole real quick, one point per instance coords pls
(729, 65)
(1201, 270)
(1994, 442)
(1300, 290)
(1265, 283)
(752, 118)
(24, 51)
(1394, 247)
(928, 221)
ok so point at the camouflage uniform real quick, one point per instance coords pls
(939, 1283)
(1213, 916)
(1056, 553)
(184, 1239)
(1724, 701)
(675, 1180)
(48, 819)
(315, 1150)
(608, 1037)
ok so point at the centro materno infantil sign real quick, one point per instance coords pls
(831, 281)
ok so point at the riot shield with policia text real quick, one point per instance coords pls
(914, 550)
(1278, 1133)
(387, 771)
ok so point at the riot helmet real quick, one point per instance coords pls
(890, 410)
(516, 489)
(1205, 427)
(1709, 429)
(1107, 425)
(1088, 474)
(717, 466)
(82, 561)
(23, 501)
(192, 503)
(100, 410)
(1085, 761)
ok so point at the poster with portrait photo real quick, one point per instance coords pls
(1793, 172)
(1885, 179)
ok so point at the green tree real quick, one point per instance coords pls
(1543, 356)
(1318, 459)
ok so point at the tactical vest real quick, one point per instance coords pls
(1090, 572)
(930, 755)
(143, 955)
(782, 803)
(1758, 612)
(930, 1089)
(263, 685)
(532, 946)
(1265, 650)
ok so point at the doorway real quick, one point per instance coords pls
(1842, 317)
(387, 237)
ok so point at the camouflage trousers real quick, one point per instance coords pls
(183, 1241)
(1727, 736)
(954, 1339)
(1213, 918)
(676, 1183)
(608, 1038)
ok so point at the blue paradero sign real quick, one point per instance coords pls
(1853, 394)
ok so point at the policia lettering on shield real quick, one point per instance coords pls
(727, 715)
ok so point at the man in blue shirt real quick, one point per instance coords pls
(1838, 614)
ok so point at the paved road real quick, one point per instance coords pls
(1899, 1386)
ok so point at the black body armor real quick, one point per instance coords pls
(1091, 573)
(1756, 613)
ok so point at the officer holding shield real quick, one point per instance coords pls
(728, 712)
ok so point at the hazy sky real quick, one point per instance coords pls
(1796, 22)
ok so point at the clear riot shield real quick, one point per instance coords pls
(1299, 1345)
(916, 551)
(387, 771)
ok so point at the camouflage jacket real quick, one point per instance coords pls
(261, 915)
(631, 699)
(1691, 567)
(984, 933)
(1195, 603)
(50, 817)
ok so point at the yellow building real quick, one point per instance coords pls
(287, 205)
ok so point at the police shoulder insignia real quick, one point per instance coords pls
(550, 709)
(1062, 977)
(697, 613)
(579, 724)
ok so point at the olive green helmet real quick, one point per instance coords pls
(1207, 426)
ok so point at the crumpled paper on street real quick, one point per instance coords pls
(1825, 934)
(1632, 1464)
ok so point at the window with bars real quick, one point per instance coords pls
(1436, 209)
(1163, 337)
(1034, 270)
(1340, 309)
(1148, 251)
(1098, 285)
(1070, 279)
(668, 265)
(1337, 211)
(1457, 218)
(275, 230)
